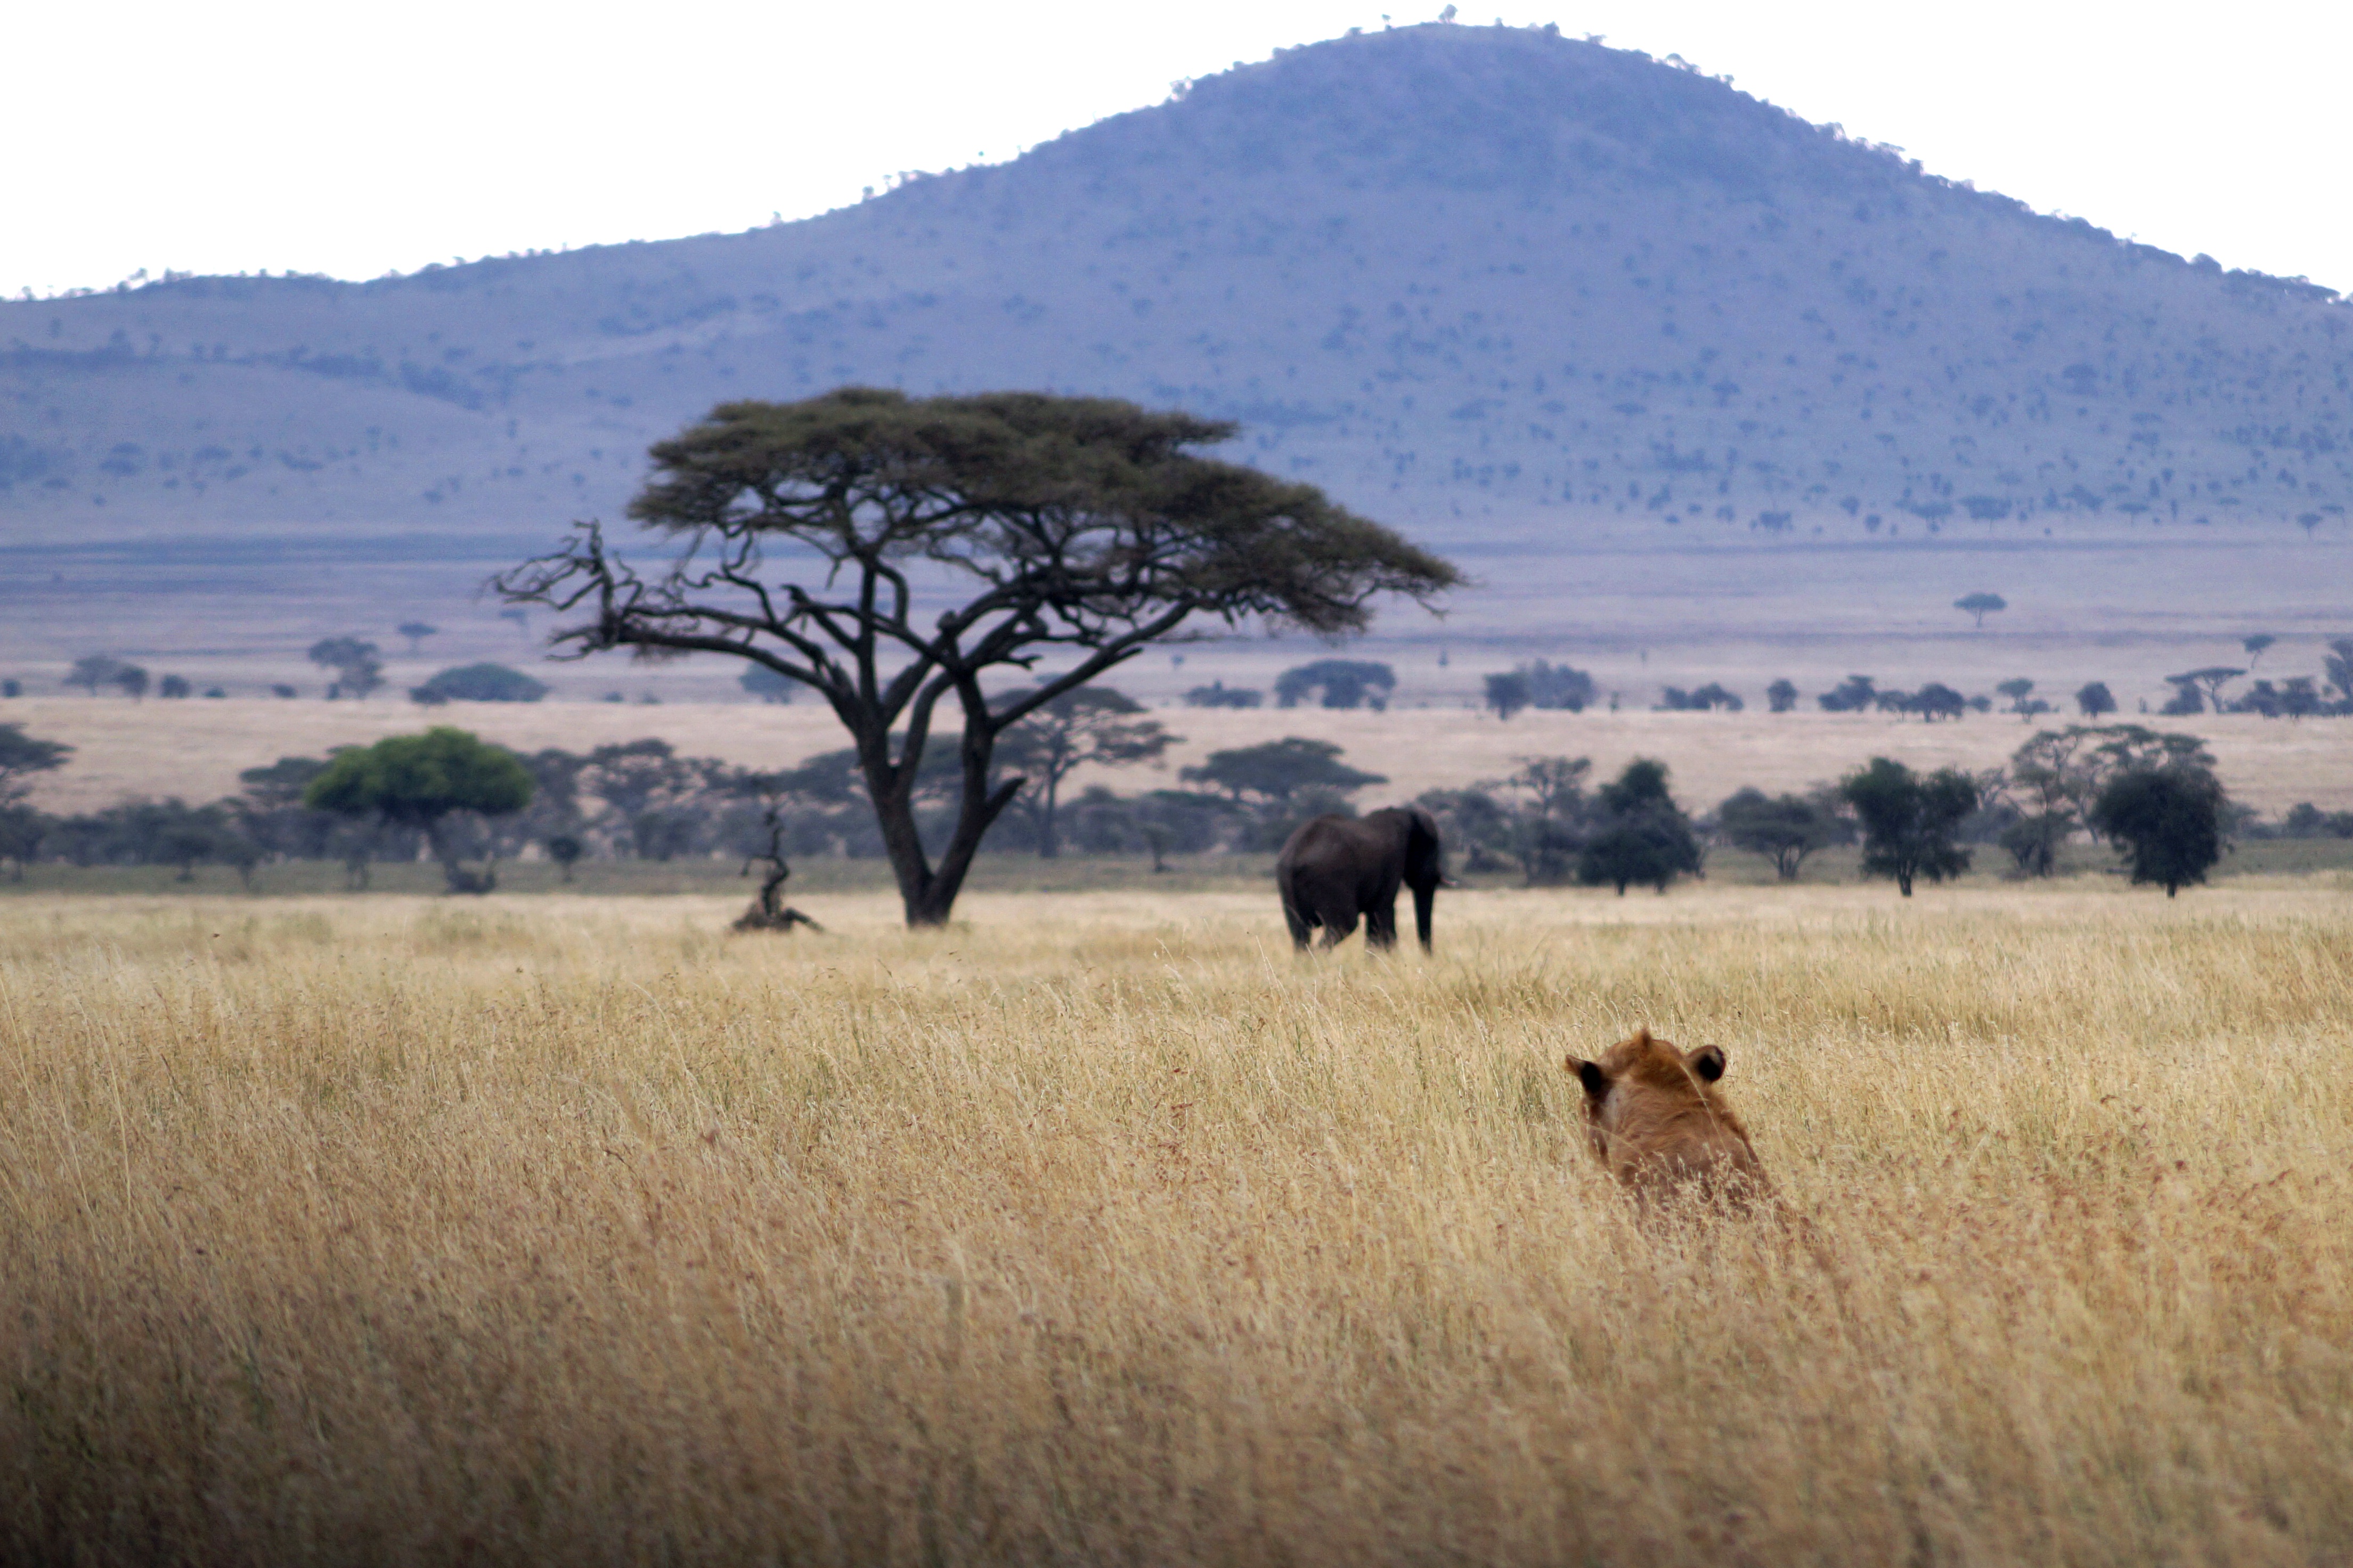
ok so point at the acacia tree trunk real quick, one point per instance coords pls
(1048, 846)
(453, 868)
(928, 892)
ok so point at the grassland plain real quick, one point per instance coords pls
(402, 1230)
(196, 749)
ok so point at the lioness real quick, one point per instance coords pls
(1657, 1125)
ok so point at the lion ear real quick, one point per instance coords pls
(1589, 1074)
(1707, 1062)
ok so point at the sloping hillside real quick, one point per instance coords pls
(1495, 286)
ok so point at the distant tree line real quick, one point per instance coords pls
(2152, 796)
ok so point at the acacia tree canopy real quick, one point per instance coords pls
(21, 756)
(418, 780)
(1083, 529)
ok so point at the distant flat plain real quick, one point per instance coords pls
(194, 749)
(1639, 608)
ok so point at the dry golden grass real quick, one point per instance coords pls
(196, 749)
(550, 1230)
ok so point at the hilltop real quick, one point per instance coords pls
(1506, 289)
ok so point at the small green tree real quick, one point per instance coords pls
(1909, 822)
(2092, 699)
(2255, 646)
(1781, 695)
(1547, 835)
(566, 850)
(420, 781)
(2017, 690)
(1088, 726)
(133, 680)
(416, 632)
(2167, 821)
(1643, 836)
(1980, 605)
(1785, 829)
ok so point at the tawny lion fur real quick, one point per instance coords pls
(1657, 1124)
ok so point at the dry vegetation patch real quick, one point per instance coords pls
(561, 1230)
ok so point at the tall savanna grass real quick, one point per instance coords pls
(561, 1230)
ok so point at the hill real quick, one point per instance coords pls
(1512, 291)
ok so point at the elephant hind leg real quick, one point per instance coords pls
(1381, 926)
(1303, 927)
(1339, 922)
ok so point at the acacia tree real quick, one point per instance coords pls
(938, 540)
(1507, 693)
(1908, 820)
(2167, 821)
(1094, 725)
(2338, 662)
(1785, 829)
(418, 781)
(1274, 772)
(1980, 605)
(1643, 836)
(358, 670)
(23, 755)
(92, 671)
(1345, 683)
(2051, 780)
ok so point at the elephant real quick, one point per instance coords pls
(1336, 869)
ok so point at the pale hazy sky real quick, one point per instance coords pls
(355, 140)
